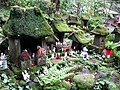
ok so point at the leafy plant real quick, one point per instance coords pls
(52, 80)
(8, 82)
(100, 84)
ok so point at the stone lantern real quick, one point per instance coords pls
(100, 33)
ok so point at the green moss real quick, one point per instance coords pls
(80, 36)
(78, 23)
(69, 75)
(85, 17)
(17, 71)
(76, 68)
(21, 83)
(27, 21)
(66, 85)
(34, 69)
(61, 26)
(84, 81)
(100, 29)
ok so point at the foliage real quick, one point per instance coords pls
(100, 84)
(112, 45)
(8, 82)
(95, 21)
(53, 79)
(116, 50)
(1, 33)
(4, 11)
(110, 37)
(23, 3)
(87, 7)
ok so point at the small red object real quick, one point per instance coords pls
(118, 20)
(58, 57)
(24, 56)
(33, 64)
(108, 52)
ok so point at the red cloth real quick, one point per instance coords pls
(58, 57)
(66, 48)
(24, 56)
(40, 52)
(118, 20)
(108, 52)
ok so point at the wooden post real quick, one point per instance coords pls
(44, 45)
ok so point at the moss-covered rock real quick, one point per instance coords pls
(84, 81)
(69, 75)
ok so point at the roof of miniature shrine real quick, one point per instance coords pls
(100, 30)
(85, 17)
(27, 21)
(80, 35)
(61, 26)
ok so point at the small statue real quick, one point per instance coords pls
(52, 55)
(72, 53)
(33, 55)
(65, 54)
(24, 55)
(26, 76)
(45, 70)
(5, 78)
(54, 49)
(58, 56)
(3, 61)
(2, 57)
(84, 54)
(25, 59)
(41, 52)
(40, 56)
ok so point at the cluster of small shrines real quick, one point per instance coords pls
(31, 37)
